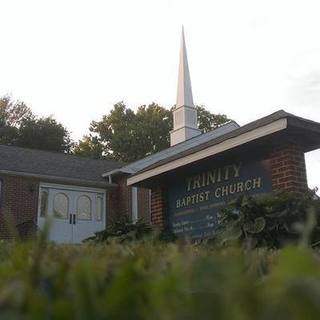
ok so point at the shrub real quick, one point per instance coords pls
(272, 220)
(122, 230)
(156, 281)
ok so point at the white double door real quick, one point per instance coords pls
(71, 214)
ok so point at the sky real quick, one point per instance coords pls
(74, 59)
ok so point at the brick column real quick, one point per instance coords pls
(112, 206)
(144, 203)
(124, 197)
(158, 207)
(289, 169)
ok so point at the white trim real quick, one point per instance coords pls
(184, 106)
(149, 204)
(254, 134)
(58, 179)
(134, 204)
(39, 205)
(71, 187)
(187, 127)
(117, 171)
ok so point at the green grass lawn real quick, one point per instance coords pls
(148, 280)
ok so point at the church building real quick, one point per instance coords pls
(180, 188)
(200, 173)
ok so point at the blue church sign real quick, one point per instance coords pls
(195, 201)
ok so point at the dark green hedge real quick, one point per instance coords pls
(157, 281)
(272, 220)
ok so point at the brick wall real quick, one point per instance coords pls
(19, 203)
(112, 200)
(158, 207)
(144, 204)
(288, 169)
(120, 202)
(124, 197)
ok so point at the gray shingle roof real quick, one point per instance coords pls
(59, 165)
(177, 149)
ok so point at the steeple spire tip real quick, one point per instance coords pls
(185, 124)
(184, 94)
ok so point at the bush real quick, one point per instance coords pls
(122, 230)
(156, 281)
(272, 220)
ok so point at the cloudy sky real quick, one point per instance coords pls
(75, 58)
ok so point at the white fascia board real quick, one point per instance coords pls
(254, 134)
(117, 171)
(71, 187)
(73, 181)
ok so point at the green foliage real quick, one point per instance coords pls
(89, 147)
(272, 220)
(128, 136)
(147, 280)
(12, 115)
(122, 230)
(20, 127)
(208, 121)
(43, 134)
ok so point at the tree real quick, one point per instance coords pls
(20, 127)
(153, 125)
(127, 136)
(208, 121)
(89, 147)
(12, 114)
(43, 134)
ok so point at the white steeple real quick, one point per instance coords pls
(185, 124)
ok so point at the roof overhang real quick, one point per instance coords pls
(57, 179)
(256, 133)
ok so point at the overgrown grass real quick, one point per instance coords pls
(148, 280)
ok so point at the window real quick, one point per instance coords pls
(61, 206)
(99, 207)
(84, 208)
(44, 202)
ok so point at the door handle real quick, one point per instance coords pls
(70, 218)
(74, 218)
